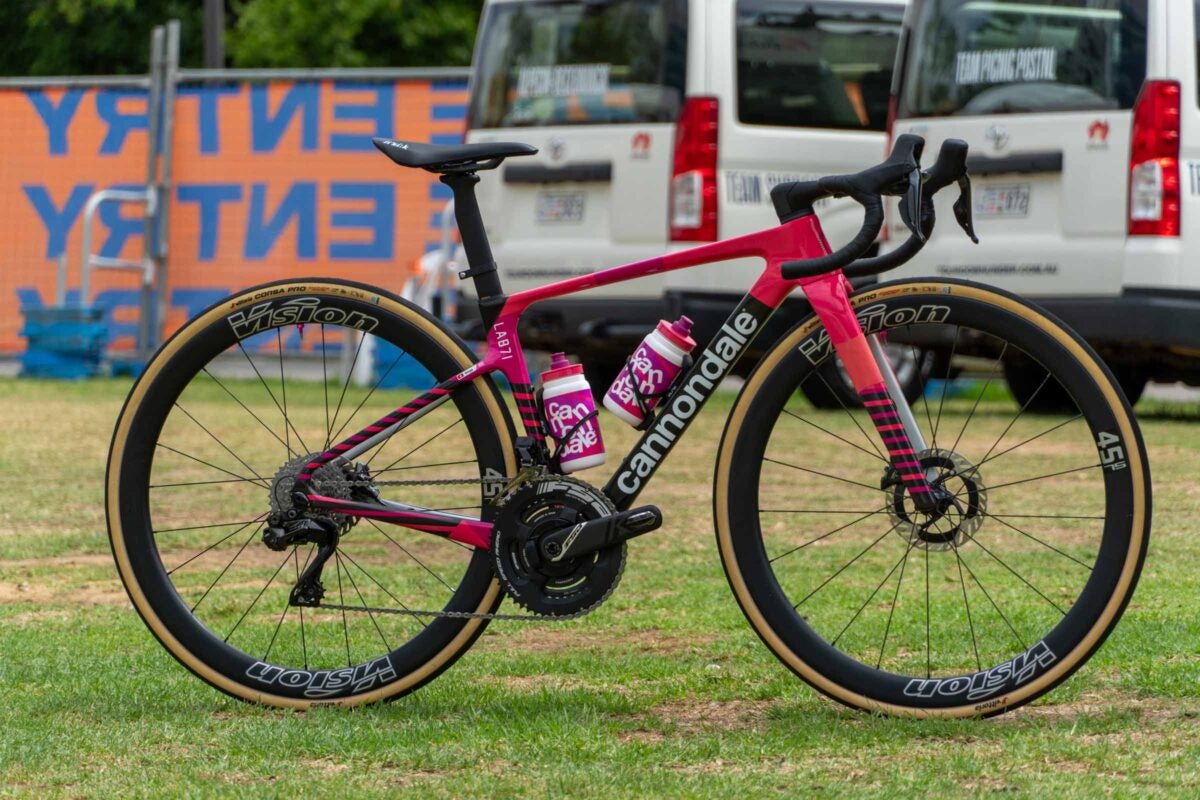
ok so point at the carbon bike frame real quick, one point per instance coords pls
(828, 295)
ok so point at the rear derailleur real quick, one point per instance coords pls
(279, 535)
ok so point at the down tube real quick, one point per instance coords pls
(707, 372)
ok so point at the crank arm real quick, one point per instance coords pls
(468, 530)
(588, 537)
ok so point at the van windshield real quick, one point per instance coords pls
(579, 62)
(972, 57)
(815, 65)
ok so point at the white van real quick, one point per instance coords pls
(662, 124)
(1062, 103)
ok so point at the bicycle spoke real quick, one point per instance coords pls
(871, 597)
(834, 435)
(979, 397)
(257, 418)
(345, 386)
(1039, 541)
(216, 580)
(1018, 575)
(325, 390)
(258, 597)
(945, 383)
(242, 522)
(286, 422)
(361, 599)
(826, 535)
(225, 538)
(967, 605)
(386, 591)
(415, 449)
(404, 550)
(892, 610)
(303, 638)
(363, 402)
(342, 602)
(823, 474)
(845, 566)
(828, 388)
(988, 595)
(286, 435)
(213, 436)
(928, 654)
(205, 463)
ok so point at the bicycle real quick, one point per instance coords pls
(282, 584)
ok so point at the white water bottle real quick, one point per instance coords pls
(653, 365)
(566, 400)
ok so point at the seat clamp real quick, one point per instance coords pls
(475, 272)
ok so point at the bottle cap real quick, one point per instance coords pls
(678, 333)
(560, 367)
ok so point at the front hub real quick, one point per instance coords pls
(960, 502)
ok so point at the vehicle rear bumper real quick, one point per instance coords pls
(1138, 316)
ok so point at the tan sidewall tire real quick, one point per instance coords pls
(161, 359)
(725, 527)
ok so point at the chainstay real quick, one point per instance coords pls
(409, 612)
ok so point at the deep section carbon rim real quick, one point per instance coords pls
(243, 402)
(962, 607)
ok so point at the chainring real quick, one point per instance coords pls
(558, 589)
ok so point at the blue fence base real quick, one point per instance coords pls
(396, 370)
(65, 342)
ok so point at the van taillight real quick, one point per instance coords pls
(693, 198)
(1154, 161)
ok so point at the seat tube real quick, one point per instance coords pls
(829, 297)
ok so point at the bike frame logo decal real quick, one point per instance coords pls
(714, 364)
(297, 311)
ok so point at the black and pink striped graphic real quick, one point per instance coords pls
(382, 424)
(900, 452)
(531, 418)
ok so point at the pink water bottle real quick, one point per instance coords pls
(654, 365)
(567, 399)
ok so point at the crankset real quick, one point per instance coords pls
(558, 545)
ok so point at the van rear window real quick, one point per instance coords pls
(579, 62)
(973, 57)
(815, 65)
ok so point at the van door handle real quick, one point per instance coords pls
(1031, 162)
(577, 172)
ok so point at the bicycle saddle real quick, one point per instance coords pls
(451, 157)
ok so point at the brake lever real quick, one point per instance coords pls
(912, 200)
(963, 207)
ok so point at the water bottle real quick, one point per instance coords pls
(566, 400)
(653, 365)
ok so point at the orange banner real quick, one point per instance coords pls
(269, 180)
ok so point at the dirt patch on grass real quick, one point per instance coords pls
(650, 641)
(696, 716)
(100, 593)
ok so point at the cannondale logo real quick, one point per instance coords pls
(714, 364)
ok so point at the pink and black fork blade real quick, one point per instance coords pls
(900, 450)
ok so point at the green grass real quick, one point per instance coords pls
(663, 691)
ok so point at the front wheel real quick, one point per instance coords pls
(974, 608)
(205, 450)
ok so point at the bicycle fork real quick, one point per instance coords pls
(876, 383)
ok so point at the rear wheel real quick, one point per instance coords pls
(976, 608)
(225, 414)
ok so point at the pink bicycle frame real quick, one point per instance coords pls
(828, 295)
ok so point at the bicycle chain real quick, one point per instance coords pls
(409, 612)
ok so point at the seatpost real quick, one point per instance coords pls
(475, 243)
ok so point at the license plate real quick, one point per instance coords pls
(1002, 201)
(555, 207)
